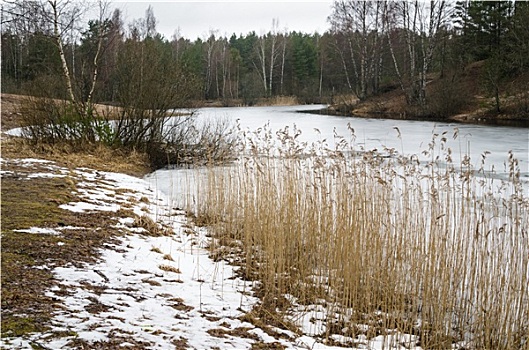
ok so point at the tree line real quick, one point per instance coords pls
(372, 47)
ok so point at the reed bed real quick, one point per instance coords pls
(350, 244)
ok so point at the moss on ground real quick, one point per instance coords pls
(25, 204)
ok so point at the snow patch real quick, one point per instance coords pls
(39, 230)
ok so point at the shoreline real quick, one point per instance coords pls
(11, 115)
(464, 118)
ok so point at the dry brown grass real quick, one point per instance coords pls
(168, 257)
(98, 156)
(169, 268)
(10, 109)
(278, 101)
(150, 227)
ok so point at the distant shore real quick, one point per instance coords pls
(464, 118)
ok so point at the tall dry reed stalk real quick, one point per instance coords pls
(383, 243)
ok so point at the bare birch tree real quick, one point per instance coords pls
(210, 47)
(439, 15)
(57, 19)
(273, 51)
(360, 22)
(261, 55)
(102, 32)
(268, 50)
(62, 15)
(283, 55)
(340, 49)
(419, 23)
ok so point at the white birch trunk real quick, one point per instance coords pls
(283, 63)
(272, 60)
(58, 39)
(101, 35)
(261, 53)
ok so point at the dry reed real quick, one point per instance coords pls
(383, 244)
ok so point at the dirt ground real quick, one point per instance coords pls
(10, 117)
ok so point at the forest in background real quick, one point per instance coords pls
(421, 50)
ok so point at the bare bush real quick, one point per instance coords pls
(188, 141)
(54, 121)
(448, 97)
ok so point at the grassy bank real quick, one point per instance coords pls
(32, 202)
(370, 245)
(29, 200)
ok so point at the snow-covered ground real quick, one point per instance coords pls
(157, 292)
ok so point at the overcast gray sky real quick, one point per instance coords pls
(197, 18)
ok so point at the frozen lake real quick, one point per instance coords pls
(379, 134)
